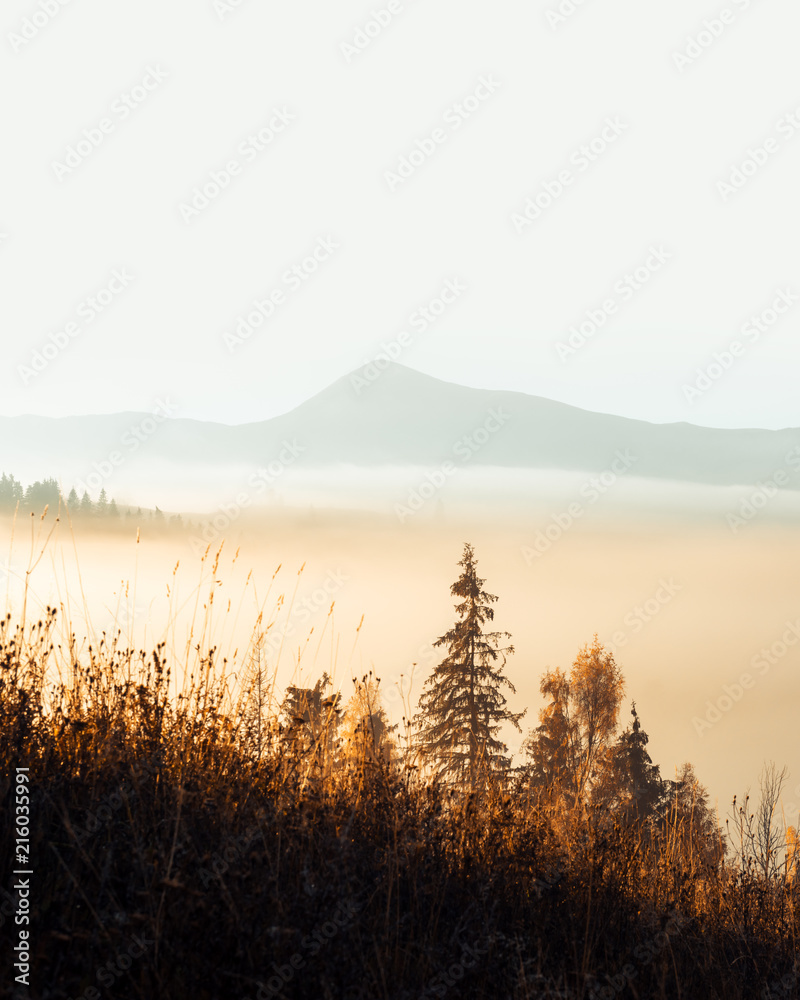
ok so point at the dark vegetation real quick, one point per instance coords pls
(47, 495)
(201, 839)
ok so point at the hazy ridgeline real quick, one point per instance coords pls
(170, 810)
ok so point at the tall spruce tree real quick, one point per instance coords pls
(641, 780)
(628, 782)
(462, 706)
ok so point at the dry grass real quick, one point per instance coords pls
(187, 844)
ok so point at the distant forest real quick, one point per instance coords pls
(47, 493)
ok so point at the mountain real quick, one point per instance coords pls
(405, 418)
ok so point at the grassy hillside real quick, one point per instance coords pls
(202, 845)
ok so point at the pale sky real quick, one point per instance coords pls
(116, 114)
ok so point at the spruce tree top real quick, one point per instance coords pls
(462, 706)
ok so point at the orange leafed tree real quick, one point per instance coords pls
(577, 726)
(596, 689)
(365, 730)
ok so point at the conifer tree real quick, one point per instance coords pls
(630, 781)
(572, 750)
(549, 747)
(462, 706)
(11, 492)
(312, 722)
(690, 827)
(41, 495)
(256, 716)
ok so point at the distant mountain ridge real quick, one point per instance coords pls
(405, 418)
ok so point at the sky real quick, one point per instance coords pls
(594, 202)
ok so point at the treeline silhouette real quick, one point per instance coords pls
(213, 838)
(46, 494)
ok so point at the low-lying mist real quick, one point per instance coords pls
(689, 602)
